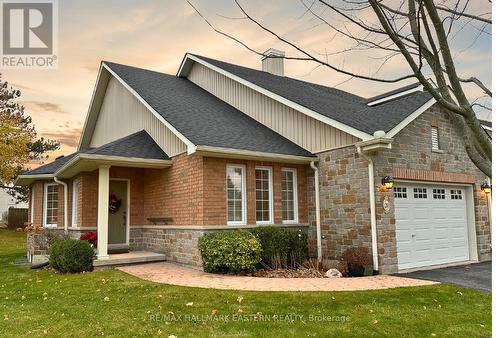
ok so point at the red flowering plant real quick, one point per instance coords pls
(91, 237)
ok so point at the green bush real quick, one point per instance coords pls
(282, 248)
(71, 255)
(229, 251)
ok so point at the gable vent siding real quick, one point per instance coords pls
(435, 138)
(123, 114)
(301, 129)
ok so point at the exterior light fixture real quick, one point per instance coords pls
(388, 182)
(486, 187)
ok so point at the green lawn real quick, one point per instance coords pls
(113, 304)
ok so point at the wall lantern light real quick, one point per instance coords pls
(388, 182)
(486, 187)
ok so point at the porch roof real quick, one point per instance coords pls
(135, 150)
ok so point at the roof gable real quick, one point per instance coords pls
(199, 118)
(345, 111)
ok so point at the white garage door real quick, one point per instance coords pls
(431, 224)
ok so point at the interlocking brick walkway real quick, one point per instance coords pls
(169, 273)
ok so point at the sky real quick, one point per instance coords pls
(156, 34)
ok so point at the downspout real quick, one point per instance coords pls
(318, 210)
(65, 185)
(373, 219)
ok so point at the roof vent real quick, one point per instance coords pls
(273, 62)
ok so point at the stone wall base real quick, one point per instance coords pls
(180, 245)
(38, 242)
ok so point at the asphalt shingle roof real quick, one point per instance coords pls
(138, 145)
(346, 108)
(201, 117)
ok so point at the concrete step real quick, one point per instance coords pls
(132, 257)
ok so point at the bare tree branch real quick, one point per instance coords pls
(467, 15)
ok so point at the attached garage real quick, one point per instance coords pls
(432, 224)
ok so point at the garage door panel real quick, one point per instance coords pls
(431, 227)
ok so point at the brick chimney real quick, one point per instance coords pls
(273, 62)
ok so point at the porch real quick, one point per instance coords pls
(131, 257)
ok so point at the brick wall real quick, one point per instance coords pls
(214, 198)
(176, 191)
(345, 212)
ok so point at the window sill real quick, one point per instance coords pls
(439, 151)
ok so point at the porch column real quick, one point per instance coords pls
(102, 212)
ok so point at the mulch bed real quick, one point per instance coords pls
(287, 273)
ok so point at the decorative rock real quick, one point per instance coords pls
(333, 273)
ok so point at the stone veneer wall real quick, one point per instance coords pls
(38, 242)
(344, 198)
(180, 245)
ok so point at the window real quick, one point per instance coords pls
(456, 194)
(419, 193)
(236, 194)
(435, 138)
(74, 204)
(438, 194)
(50, 204)
(289, 207)
(400, 192)
(263, 195)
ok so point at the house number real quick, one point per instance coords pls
(386, 204)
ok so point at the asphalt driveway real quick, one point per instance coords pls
(476, 276)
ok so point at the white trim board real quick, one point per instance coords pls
(410, 118)
(395, 96)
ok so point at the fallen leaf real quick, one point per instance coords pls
(189, 304)
(240, 310)
(461, 294)
(375, 321)
(172, 336)
(214, 312)
(433, 334)
(106, 299)
(239, 299)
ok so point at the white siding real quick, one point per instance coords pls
(305, 131)
(123, 114)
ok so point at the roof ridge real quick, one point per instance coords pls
(280, 76)
(135, 67)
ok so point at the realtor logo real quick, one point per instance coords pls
(29, 34)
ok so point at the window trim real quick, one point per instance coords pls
(74, 204)
(295, 197)
(270, 194)
(243, 195)
(45, 195)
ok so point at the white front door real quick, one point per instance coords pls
(431, 224)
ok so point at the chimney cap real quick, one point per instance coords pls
(274, 53)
